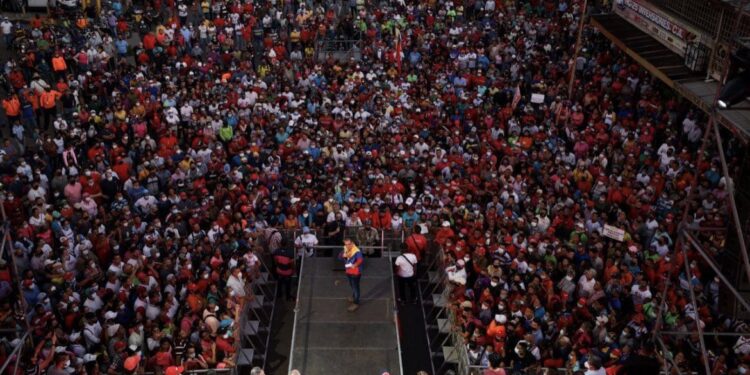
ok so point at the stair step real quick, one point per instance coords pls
(259, 302)
(450, 354)
(252, 327)
(245, 357)
(444, 325)
(263, 278)
(438, 299)
(433, 276)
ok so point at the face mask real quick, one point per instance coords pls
(205, 276)
(239, 275)
(742, 370)
(67, 363)
(216, 308)
(191, 355)
(494, 283)
(305, 214)
(190, 266)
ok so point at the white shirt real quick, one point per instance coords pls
(639, 295)
(92, 333)
(237, 285)
(6, 26)
(306, 243)
(405, 264)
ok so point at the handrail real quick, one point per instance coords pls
(395, 313)
(296, 312)
(16, 351)
(202, 371)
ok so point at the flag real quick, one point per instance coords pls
(516, 97)
(398, 50)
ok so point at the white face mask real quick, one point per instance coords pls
(494, 283)
(67, 363)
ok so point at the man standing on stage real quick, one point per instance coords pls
(406, 270)
(353, 258)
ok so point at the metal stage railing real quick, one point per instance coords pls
(300, 276)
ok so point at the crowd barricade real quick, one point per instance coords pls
(255, 318)
(21, 330)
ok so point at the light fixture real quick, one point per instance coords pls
(734, 91)
(737, 87)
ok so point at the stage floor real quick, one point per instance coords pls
(331, 340)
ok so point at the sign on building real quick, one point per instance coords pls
(675, 34)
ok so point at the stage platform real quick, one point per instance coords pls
(330, 340)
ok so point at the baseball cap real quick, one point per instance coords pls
(174, 370)
(131, 363)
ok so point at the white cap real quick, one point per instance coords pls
(109, 315)
(446, 224)
(88, 357)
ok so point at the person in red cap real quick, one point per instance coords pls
(174, 370)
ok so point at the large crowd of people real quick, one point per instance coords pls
(145, 165)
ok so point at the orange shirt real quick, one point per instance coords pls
(48, 99)
(58, 64)
(12, 107)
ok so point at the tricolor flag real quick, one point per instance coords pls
(398, 49)
(516, 97)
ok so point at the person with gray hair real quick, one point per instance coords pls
(257, 371)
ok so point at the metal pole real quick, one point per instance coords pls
(667, 359)
(395, 313)
(16, 351)
(732, 203)
(577, 49)
(694, 301)
(683, 225)
(683, 229)
(697, 246)
(716, 45)
(720, 334)
(296, 311)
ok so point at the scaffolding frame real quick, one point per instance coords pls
(686, 238)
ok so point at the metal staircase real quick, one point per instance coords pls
(256, 320)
